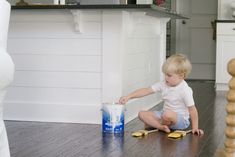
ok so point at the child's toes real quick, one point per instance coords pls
(166, 128)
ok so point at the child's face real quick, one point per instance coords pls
(173, 79)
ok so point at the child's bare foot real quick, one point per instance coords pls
(165, 128)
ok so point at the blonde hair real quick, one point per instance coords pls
(178, 64)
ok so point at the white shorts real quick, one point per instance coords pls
(181, 123)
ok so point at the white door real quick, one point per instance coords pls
(194, 37)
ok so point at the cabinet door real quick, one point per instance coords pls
(225, 52)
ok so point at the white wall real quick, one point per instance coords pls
(64, 76)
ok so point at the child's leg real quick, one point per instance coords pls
(150, 120)
(175, 121)
(169, 118)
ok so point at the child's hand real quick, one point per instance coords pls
(123, 100)
(197, 131)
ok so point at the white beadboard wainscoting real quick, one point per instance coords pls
(69, 62)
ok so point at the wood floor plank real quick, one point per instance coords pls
(35, 139)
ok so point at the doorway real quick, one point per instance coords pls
(194, 36)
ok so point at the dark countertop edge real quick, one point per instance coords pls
(158, 11)
(224, 21)
(117, 6)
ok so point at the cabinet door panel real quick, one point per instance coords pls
(225, 52)
(226, 29)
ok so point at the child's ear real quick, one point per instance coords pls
(182, 75)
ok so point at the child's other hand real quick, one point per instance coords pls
(197, 131)
(123, 100)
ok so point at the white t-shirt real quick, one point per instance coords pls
(177, 98)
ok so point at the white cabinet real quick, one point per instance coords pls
(68, 64)
(225, 51)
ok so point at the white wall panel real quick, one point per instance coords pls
(39, 15)
(142, 54)
(141, 62)
(57, 79)
(57, 68)
(136, 76)
(54, 24)
(53, 16)
(137, 60)
(57, 63)
(68, 46)
(72, 96)
(53, 30)
(138, 45)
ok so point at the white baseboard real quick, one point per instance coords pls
(222, 87)
(66, 113)
(88, 114)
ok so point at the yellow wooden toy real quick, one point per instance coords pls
(142, 133)
(178, 134)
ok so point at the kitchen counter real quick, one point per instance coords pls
(151, 10)
(70, 59)
(224, 21)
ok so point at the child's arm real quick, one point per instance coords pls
(194, 119)
(136, 94)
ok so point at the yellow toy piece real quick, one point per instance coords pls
(178, 134)
(142, 133)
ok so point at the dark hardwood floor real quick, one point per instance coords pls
(35, 139)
